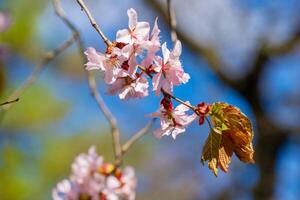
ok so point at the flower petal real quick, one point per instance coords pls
(95, 59)
(123, 36)
(166, 52)
(132, 16)
(176, 52)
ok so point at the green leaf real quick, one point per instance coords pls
(210, 151)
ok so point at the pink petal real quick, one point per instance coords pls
(164, 122)
(181, 108)
(158, 63)
(112, 182)
(185, 78)
(125, 92)
(156, 81)
(132, 65)
(116, 87)
(111, 74)
(123, 36)
(148, 60)
(142, 30)
(95, 59)
(141, 86)
(155, 31)
(167, 86)
(176, 52)
(132, 16)
(176, 131)
(158, 133)
(166, 52)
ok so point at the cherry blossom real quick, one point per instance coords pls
(136, 32)
(128, 87)
(114, 189)
(169, 69)
(172, 121)
(152, 45)
(96, 180)
(65, 191)
(111, 64)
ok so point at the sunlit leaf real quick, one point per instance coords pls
(232, 133)
(210, 151)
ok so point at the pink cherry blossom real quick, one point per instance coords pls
(95, 59)
(128, 87)
(135, 36)
(152, 45)
(85, 174)
(123, 188)
(169, 68)
(172, 121)
(109, 63)
(136, 32)
(65, 191)
(96, 180)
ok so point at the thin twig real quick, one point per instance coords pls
(172, 21)
(90, 76)
(110, 118)
(48, 57)
(9, 102)
(93, 22)
(137, 136)
(61, 14)
(178, 100)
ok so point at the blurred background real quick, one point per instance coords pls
(244, 52)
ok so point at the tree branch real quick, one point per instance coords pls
(91, 78)
(8, 102)
(93, 22)
(137, 136)
(172, 21)
(108, 115)
(48, 57)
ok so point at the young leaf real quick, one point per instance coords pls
(210, 151)
(235, 134)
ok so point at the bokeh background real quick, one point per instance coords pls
(244, 52)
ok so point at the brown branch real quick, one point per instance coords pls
(172, 21)
(93, 22)
(137, 136)
(8, 102)
(108, 115)
(48, 57)
(90, 76)
(285, 47)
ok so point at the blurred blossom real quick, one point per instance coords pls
(5, 21)
(93, 179)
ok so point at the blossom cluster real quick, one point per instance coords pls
(93, 179)
(132, 60)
